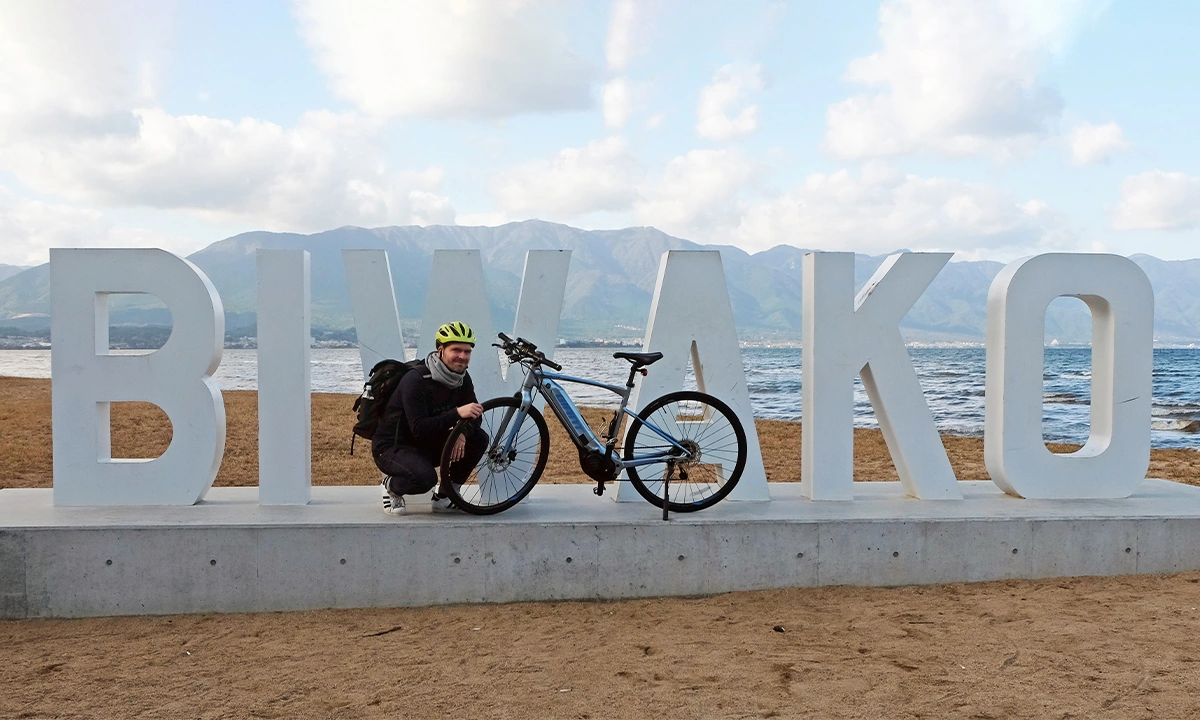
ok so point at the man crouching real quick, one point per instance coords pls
(425, 407)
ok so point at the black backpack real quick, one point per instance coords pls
(377, 391)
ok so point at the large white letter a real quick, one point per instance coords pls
(691, 318)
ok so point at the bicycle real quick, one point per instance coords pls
(684, 452)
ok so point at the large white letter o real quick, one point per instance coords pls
(1116, 456)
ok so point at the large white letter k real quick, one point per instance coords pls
(843, 339)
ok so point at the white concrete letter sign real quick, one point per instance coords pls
(539, 307)
(456, 292)
(691, 318)
(176, 377)
(844, 336)
(1116, 456)
(284, 378)
(373, 302)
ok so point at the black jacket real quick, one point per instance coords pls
(421, 413)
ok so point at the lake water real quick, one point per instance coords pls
(953, 379)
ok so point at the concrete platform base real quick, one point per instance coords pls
(229, 554)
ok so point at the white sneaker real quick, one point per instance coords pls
(392, 504)
(440, 504)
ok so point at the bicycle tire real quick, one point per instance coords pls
(489, 488)
(721, 438)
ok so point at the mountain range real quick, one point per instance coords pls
(609, 287)
(7, 271)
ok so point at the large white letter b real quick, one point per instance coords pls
(177, 378)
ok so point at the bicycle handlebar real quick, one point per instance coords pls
(521, 349)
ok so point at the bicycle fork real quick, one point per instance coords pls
(502, 443)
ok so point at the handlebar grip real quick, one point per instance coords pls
(504, 337)
(549, 363)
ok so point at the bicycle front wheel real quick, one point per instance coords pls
(708, 451)
(500, 479)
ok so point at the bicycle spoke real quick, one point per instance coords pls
(708, 448)
(501, 477)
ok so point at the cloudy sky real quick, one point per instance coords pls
(993, 128)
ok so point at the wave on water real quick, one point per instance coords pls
(953, 380)
(1167, 408)
(1183, 425)
(1064, 399)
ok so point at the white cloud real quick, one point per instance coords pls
(323, 173)
(602, 175)
(482, 219)
(722, 112)
(1158, 200)
(698, 195)
(28, 228)
(76, 68)
(622, 26)
(956, 77)
(717, 196)
(446, 58)
(631, 25)
(618, 103)
(1095, 143)
(80, 121)
(883, 209)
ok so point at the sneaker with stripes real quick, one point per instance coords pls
(442, 504)
(393, 504)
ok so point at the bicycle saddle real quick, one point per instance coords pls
(639, 359)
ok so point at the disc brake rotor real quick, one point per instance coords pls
(497, 462)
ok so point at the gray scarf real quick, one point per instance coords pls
(441, 373)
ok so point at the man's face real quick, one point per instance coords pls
(457, 356)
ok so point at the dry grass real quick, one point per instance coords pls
(142, 430)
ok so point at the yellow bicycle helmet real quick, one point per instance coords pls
(455, 332)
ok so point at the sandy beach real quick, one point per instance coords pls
(1075, 647)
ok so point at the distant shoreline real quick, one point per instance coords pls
(39, 343)
(150, 337)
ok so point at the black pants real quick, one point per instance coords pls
(412, 469)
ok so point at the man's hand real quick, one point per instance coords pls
(470, 411)
(460, 446)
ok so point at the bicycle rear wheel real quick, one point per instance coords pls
(713, 455)
(499, 480)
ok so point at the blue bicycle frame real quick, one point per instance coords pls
(547, 384)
